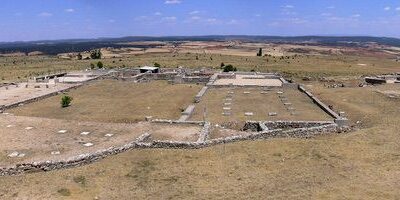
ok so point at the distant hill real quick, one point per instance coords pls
(53, 47)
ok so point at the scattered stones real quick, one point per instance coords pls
(226, 114)
(55, 153)
(287, 104)
(279, 92)
(85, 133)
(226, 108)
(231, 92)
(246, 92)
(88, 144)
(108, 135)
(13, 154)
(9, 126)
(227, 104)
(264, 92)
(228, 99)
(248, 114)
(272, 114)
(290, 108)
(62, 131)
(28, 128)
(21, 155)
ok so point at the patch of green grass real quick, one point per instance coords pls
(80, 180)
(64, 192)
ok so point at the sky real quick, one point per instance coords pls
(27, 20)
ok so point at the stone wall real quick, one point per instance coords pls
(138, 143)
(187, 113)
(201, 93)
(10, 106)
(341, 121)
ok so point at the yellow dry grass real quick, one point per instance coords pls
(363, 164)
(116, 101)
(20, 68)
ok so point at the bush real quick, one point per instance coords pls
(229, 68)
(157, 65)
(66, 101)
(96, 54)
(100, 65)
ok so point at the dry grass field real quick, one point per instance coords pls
(20, 68)
(259, 104)
(116, 101)
(363, 164)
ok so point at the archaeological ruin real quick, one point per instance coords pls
(227, 107)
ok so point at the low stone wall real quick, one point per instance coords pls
(295, 124)
(50, 76)
(38, 98)
(187, 113)
(167, 121)
(201, 93)
(341, 121)
(195, 79)
(138, 143)
(203, 136)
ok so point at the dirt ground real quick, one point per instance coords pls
(363, 164)
(37, 138)
(14, 94)
(258, 102)
(116, 101)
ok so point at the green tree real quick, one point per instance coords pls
(229, 68)
(95, 54)
(92, 66)
(79, 56)
(157, 65)
(259, 52)
(222, 65)
(66, 101)
(100, 65)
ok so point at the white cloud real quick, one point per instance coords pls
(111, 21)
(233, 22)
(195, 18)
(172, 2)
(326, 14)
(331, 7)
(70, 10)
(195, 12)
(171, 19)
(288, 6)
(356, 15)
(398, 8)
(287, 10)
(257, 15)
(297, 21)
(45, 14)
(387, 8)
(142, 18)
(212, 21)
(158, 13)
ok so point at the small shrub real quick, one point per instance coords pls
(80, 180)
(100, 65)
(66, 101)
(64, 192)
(229, 68)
